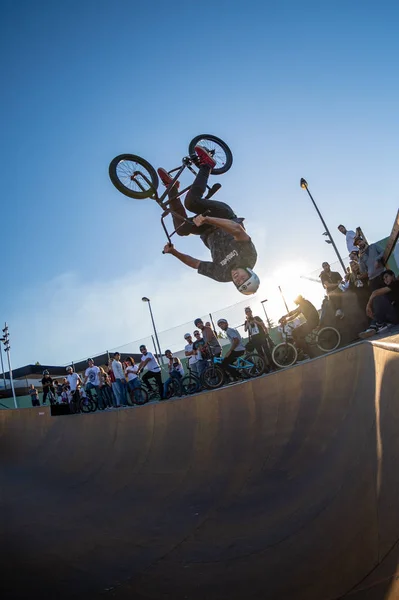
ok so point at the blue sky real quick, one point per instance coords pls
(297, 89)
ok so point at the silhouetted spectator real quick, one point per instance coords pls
(209, 337)
(383, 306)
(358, 285)
(305, 308)
(330, 281)
(34, 395)
(48, 387)
(370, 262)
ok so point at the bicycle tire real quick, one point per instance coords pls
(190, 384)
(213, 377)
(325, 334)
(284, 355)
(259, 365)
(127, 173)
(174, 389)
(208, 141)
(87, 405)
(132, 397)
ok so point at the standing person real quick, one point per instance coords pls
(371, 262)
(191, 353)
(93, 382)
(34, 395)
(305, 308)
(258, 335)
(350, 238)
(58, 390)
(106, 389)
(48, 386)
(114, 385)
(209, 337)
(175, 369)
(133, 381)
(237, 348)
(233, 252)
(120, 380)
(153, 370)
(330, 281)
(202, 352)
(74, 381)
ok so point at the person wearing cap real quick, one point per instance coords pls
(190, 353)
(233, 252)
(92, 381)
(210, 340)
(330, 281)
(236, 349)
(153, 370)
(371, 262)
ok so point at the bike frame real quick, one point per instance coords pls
(242, 363)
(163, 200)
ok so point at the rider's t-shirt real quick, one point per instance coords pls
(152, 364)
(227, 254)
(73, 379)
(93, 375)
(309, 312)
(233, 334)
(47, 382)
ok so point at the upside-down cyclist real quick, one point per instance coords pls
(305, 308)
(233, 252)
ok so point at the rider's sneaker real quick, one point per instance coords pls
(165, 177)
(205, 157)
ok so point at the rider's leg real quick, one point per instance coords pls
(195, 202)
(229, 360)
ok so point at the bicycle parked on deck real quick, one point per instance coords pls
(285, 354)
(80, 404)
(136, 178)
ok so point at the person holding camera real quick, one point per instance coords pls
(258, 336)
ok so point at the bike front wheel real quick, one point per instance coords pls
(87, 405)
(190, 384)
(328, 339)
(133, 176)
(213, 377)
(217, 148)
(258, 365)
(137, 397)
(284, 355)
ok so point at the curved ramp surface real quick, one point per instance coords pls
(284, 487)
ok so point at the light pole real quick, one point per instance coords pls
(145, 299)
(304, 186)
(6, 341)
(264, 310)
(2, 364)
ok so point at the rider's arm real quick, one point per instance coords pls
(143, 364)
(194, 263)
(236, 229)
(233, 346)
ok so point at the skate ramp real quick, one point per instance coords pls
(286, 486)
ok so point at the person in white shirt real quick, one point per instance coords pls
(133, 380)
(93, 382)
(237, 348)
(150, 363)
(350, 238)
(74, 381)
(191, 353)
(175, 368)
(121, 386)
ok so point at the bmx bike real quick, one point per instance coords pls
(136, 178)
(285, 354)
(248, 365)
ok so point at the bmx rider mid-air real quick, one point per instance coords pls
(233, 252)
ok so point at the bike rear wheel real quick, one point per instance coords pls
(213, 377)
(217, 147)
(190, 384)
(137, 397)
(328, 339)
(258, 367)
(133, 176)
(87, 405)
(284, 355)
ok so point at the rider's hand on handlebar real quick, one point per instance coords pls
(168, 248)
(199, 220)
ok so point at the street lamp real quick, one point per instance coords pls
(145, 299)
(304, 186)
(264, 310)
(6, 341)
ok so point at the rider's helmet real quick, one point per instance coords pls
(251, 284)
(222, 321)
(69, 369)
(298, 299)
(46, 372)
(187, 335)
